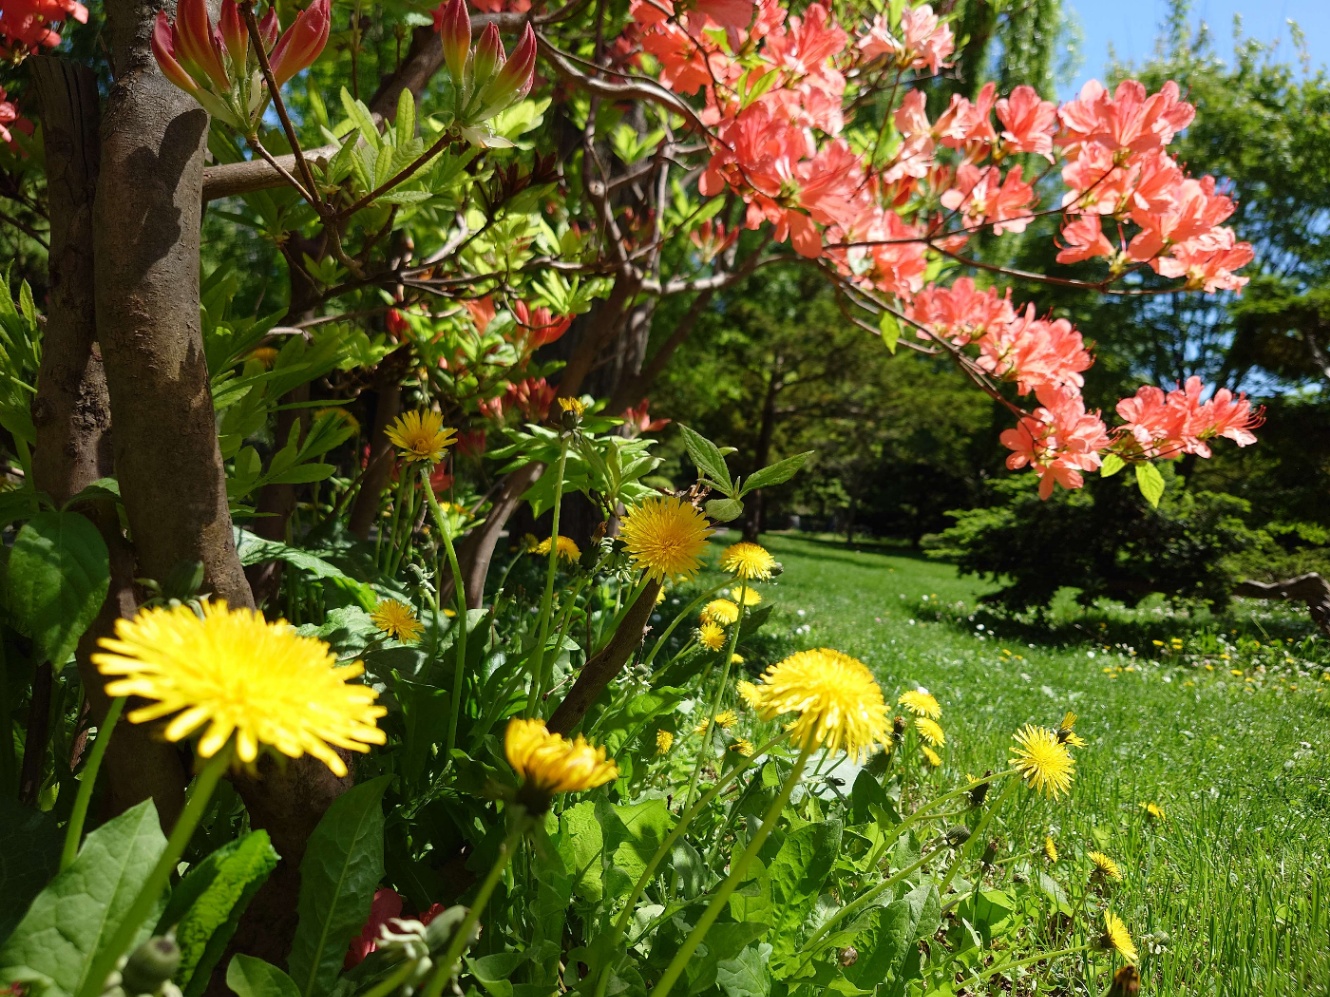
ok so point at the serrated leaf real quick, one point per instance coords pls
(248, 976)
(1150, 482)
(708, 458)
(1112, 465)
(342, 866)
(748, 974)
(58, 575)
(83, 906)
(777, 473)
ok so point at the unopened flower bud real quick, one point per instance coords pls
(269, 29)
(164, 50)
(150, 965)
(453, 24)
(513, 80)
(303, 42)
(957, 836)
(234, 36)
(489, 57)
(196, 43)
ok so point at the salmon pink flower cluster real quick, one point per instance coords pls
(31, 25)
(216, 66)
(1169, 425)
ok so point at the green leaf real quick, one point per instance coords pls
(59, 572)
(83, 906)
(1112, 465)
(251, 977)
(724, 510)
(206, 907)
(747, 974)
(29, 856)
(1150, 482)
(890, 328)
(342, 867)
(777, 473)
(708, 458)
(254, 549)
(801, 867)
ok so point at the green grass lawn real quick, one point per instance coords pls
(1233, 887)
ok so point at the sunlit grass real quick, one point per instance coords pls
(1230, 894)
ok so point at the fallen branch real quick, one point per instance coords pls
(1310, 588)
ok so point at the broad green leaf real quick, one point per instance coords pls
(83, 906)
(342, 867)
(747, 974)
(206, 907)
(251, 977)
(29, 856)
(1150, 482)
(1112, 465)
(801, 866)
(632, 832)
(890, 328)
(777, 473)
(58, 574)
(724, 510)
(708, 458)
(253, 549)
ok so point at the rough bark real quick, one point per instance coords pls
(601, 668)
(1310, 588)
(71, 412)
(147, 290)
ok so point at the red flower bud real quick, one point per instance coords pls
(234, 36)
(269, 28)
(197, 44)
(304, 40)
(489, 57)
(513, 81)
(164, 49)
(453, 24)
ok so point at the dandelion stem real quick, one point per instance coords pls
(715, 700)
(445, 971)
(738, 869)
(687, 611)
(74, 833)
(459, 593)
(547, 598)
(196, 803)
(975, 835)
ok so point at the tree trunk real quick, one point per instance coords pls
(146, 243)
(72, 415)
(753, 524)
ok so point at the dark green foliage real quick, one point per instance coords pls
(1104, 540)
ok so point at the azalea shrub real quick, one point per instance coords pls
(295, 711)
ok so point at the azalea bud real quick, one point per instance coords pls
(197, 44)
(303, 42)
(164, 50)
(513, 81)
(489, 57)
(453, 24)
(234, 36)
(269, 28)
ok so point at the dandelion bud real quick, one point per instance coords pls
(979, 791)
(957, 836)
(197, 44)
(303, 42)
(1126, 982)
(990, 852)
(164, 50)
(453, 24)
(150, 965)
(234, 36)
(489, 57)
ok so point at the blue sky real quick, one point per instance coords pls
(1130, 27)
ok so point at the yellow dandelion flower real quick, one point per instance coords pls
(749, 694)
(930, 730)
(743, 746)
(266, 355)
(749, 561)
(665, 537)
(1050, 850)
(746, 597)
(397, 620)
(931, 756)
(920, 703)
(574, 405)
(1116, 937)
(421, 436)
(1067, 731)
(736, 659)
(1043, 761)
(726, 719)
(702, 726)
(711, 636)
(568, 550)
(660, 595)
(550, 763)
(839, 703)
(233, 674)
(1154, 811)
(1104, 867)
(720, 611)
(664, 741)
